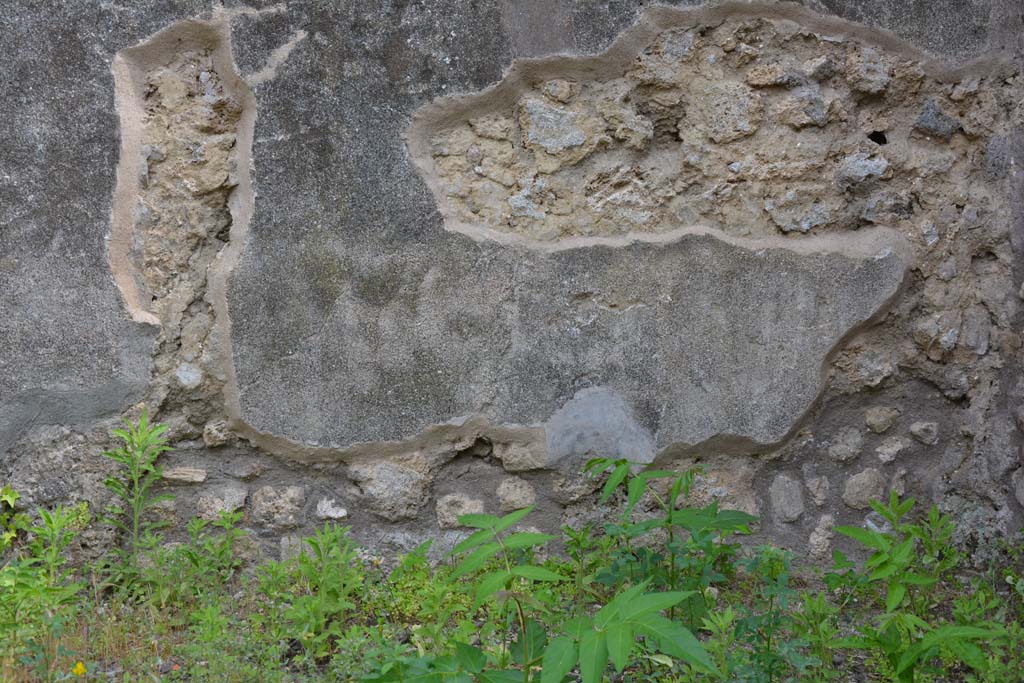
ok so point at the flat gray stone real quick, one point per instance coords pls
(787, 498)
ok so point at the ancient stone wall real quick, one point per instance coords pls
(395, 262)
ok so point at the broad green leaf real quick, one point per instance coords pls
(940, 636)
(661, 659)
(593, 656)
(575, 628)
(526, 539)
(676, 640)
(617, 476)
(9, 495)
(476, 559)
(488, 585)
(620, 641)
(559, 658)
(478, 521)
(969, 653)
(536, 573)
(897, 591)
(512, 518)
(475, 539)
(471, 659)
(653, 602)
(529, 644)
(866, 537)
(634, 492)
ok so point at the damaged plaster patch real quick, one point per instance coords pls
(182, 194)
(752, 126)
(597, 423)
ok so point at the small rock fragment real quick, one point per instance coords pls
(764, 75)
(857, 168)
(213, 502)
(946, 270)
(864, 487)
(846, 445)
(925, 432)
(454, 505)
(880, 418)
(867, 72)
(805, 107)
(216, 433)
(514, 494)
(188, 375)
(818, 68)
(328, 508)
(391, 490)
(728, 110)
(890, 448)
(551, 128)
(820, 542)
(185, 475)
(976, 330)
(933, 121)
(819, 488)
(964, 88)
(278, 507)
(787, 498)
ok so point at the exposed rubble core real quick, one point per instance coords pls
(753, 127)
(182, 222)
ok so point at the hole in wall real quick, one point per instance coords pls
(878, 137)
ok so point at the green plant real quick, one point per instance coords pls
(10, 520)
(611, 636)
(697, 552)
(907, 562)
(328, 576)
(37, 595)
(143, 443)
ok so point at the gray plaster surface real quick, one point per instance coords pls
(355, 315)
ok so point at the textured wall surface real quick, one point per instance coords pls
(386, 261)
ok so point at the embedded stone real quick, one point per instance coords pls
(864, 487)
(925, 432)
(278, 507)
(551, 128)
(933, 121)
(804, 107)
(216, 433)
(214, 501)
(515, 493)
(764, 75)
(390, 490)
(185, 475)
(787, 498)
(820, 542)
(846, 444)
(728, 111)
(857, 168)
(890, 449)
(867, 71)
(454, 505)
(819, 488)
(328, 508)
(880, 419)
